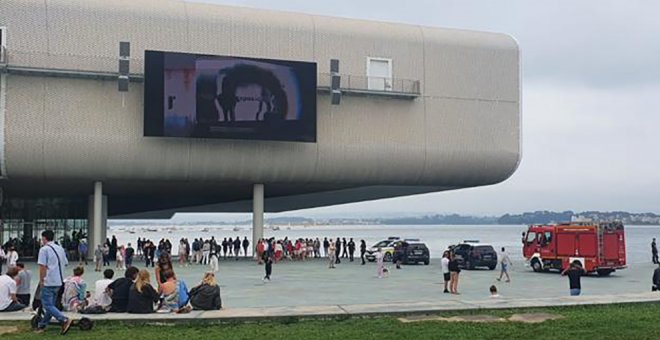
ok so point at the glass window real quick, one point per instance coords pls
(548, 236)
(531, 236)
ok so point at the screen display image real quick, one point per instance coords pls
(201, 96)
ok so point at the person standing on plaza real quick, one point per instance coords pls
(344, 246)
(106, 254)
(82, 252)
(206, 252)
(656, 279)
(654, 252)
(182, 253)
(268, 260)
(505, 263)
(574, 273)
(230, 246)
(140, 246)
(363, 251)
(98, 257)
(351, 250)
(332, 251)
(237, 247)
(52, 260)
(128, 255)
(454, 272)
(12, 257)
(113, 248)
(326, 245)
(23, 284)
(119, 257)
(338, 251)
(444, 264)
(380, 263)
(213, 258)
(246, 246)
(150, 253)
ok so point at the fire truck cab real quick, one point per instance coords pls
(600, 247)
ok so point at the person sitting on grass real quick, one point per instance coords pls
(206, 295)
(169, 292)
(8, 300)
(165, 264)
(102, 296)
(142, 296)
(75, 296)
(119, 290)
(23, 284)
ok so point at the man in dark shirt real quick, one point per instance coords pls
(338, 251)
(246, 245)
(656, 279)
(654, 252)
(129, 255)
(351, 249)
(326, 245)
(345, 247)
(119, 290)
(237, 247)
(574, 273)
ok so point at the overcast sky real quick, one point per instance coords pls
(591, 98)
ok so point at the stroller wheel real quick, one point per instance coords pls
(85, 324)
(34, 322)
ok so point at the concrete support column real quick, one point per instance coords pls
(257, 214)
(97, 218)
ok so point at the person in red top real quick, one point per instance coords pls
(260, 251)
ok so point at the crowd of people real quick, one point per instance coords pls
(132, 293)
(135, 292)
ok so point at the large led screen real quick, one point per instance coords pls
(202, 96)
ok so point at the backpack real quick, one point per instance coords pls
(184, 296)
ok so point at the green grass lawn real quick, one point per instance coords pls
(628, 321)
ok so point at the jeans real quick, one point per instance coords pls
(575, 291)
(48, 296)
(13, 307)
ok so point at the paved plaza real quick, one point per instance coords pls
(311, 283)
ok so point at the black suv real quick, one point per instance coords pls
(412, 252)
(472, 255)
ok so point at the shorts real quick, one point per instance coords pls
(447, 277)
(505, 268)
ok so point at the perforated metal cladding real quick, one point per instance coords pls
(464, 130)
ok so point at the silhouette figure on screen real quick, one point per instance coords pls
(272, 93)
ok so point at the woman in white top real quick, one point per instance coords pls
(120, 258)
(12, 257)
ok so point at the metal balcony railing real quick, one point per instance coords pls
(393, 87)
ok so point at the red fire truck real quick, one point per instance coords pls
(600, 247)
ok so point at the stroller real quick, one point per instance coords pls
(84, 324)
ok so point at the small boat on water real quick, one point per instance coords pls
(276, 228)
(153, 230)
(236, 229)
(205, 230)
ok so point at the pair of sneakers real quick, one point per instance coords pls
(66, 325)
